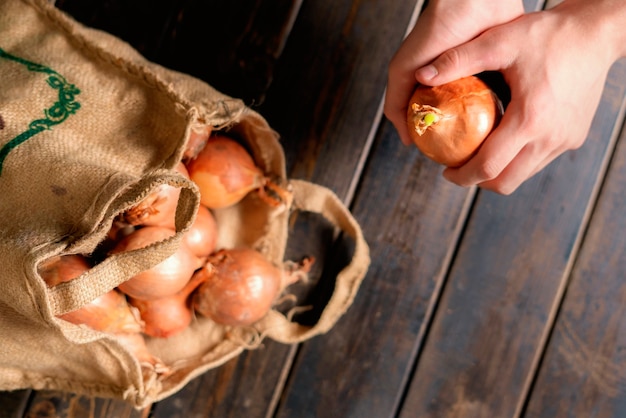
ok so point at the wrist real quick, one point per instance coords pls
(483, 14)
(602, 20)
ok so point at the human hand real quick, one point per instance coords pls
(555, 63)
(444, 24)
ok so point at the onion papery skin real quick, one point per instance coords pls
(170, 315)
(164, 279)
(135, 343)
(201, 238)
(159, 207)
(197, 140)
(109, 312)
(224, 172)
(461, 114)
(240, 287)
(63, 268)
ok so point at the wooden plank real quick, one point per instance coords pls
(326, 98)
(231, 45)
(413, 218)
(507, 280)
(583, 373)
(52, 404)
(13, 403)
(141, 23)
(233, 388)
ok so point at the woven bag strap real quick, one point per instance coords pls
(118, 268)
(315, 198)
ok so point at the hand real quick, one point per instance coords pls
(444, 24)
(555, 63)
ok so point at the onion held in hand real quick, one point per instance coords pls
(448, 123)
(240, 287)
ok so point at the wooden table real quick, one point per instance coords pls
(475, 304)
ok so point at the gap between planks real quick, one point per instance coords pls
(347, 200)
(620, 124)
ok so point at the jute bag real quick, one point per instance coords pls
(88, 128)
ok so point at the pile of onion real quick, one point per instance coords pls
(109, 313)
(160, 293)
(231, 286)
(448, 123)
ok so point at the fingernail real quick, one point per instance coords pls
(426, 73)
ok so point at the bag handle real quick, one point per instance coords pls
(315, 198)
(118, 268)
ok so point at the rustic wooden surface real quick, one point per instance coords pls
(475, 305)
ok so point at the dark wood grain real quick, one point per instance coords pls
(507, 281)
(326, 98)
(359, 369)
(584, 370)
(13, 404)
(53, 404)
(241, 387)
(231, 45)
(142, 23)
(412, 219)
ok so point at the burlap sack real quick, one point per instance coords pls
(87, 129)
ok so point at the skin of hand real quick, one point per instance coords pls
(444, 24)
(555, 63)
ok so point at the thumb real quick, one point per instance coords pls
(478, 55)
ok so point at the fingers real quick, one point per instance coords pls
(485, 53)
(425, 42)
(396, 113)
(505, 172)
(495, 155)
(525, 165)
(397, 95)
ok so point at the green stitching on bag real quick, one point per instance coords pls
(57, 113)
